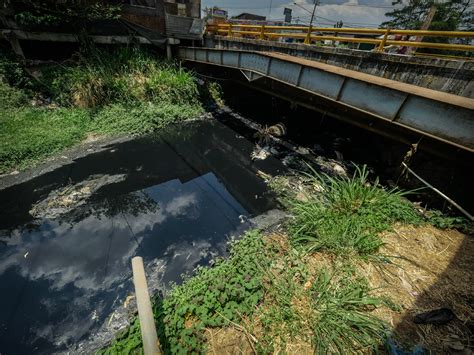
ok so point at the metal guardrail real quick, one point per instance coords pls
(311, 34)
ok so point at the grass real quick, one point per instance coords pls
(347, 214)
(127, 91)
(299, 293)
(29, 135)
(212, 298)
(271, 283)
(128, 75)
(323, 309)
(119, 119)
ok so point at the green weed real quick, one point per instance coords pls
(215, 296)
(439, 220)
(328, 310)
(13, 73)
(128, 341)
(10, 97)
(347, 214)
(29, 135)
(119, 92)
(138, 119)
(126, 75)
(341, 311)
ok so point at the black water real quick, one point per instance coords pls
(452, 172)
(172, 198)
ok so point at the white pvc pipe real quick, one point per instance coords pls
(145, 312)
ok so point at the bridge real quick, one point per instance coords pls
(403, 96)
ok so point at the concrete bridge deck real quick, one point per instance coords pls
(454, 76)
(442, 116)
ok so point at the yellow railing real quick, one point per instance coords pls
(313, 34)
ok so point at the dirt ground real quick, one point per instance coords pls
(428, 269)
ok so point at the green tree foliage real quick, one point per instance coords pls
(32, 13)
(451, 15)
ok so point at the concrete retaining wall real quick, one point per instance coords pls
(451, 76)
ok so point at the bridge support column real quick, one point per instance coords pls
(169, 43)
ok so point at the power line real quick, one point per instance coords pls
(281, 6)
(336, 21)
(360, 5)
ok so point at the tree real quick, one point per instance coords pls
(451, 15)
(32, 13)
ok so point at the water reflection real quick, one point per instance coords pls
(60, 277)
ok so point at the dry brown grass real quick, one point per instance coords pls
(431, 269)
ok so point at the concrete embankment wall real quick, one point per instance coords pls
(451, 76)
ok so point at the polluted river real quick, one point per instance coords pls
(67, 236)
(69, 229)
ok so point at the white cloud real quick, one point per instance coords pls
(178, 205)
(351, 12)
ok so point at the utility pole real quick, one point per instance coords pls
(310, 29)
(426, 24)
(316, 3)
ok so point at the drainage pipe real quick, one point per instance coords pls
(145, 313)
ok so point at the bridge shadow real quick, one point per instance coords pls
(437, 273)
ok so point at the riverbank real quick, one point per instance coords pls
(98, 94)
(347, 272)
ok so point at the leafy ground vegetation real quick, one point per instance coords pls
(318, 284)
(99, 92)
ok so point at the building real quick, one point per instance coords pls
(247, 16)
(145, 21)
(166, 18)
(215, 15)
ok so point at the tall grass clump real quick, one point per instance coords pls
(327, 310)
(347, 214)
(127, 75)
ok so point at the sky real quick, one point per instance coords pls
(354, 13)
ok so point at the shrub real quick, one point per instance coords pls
(9, 97)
